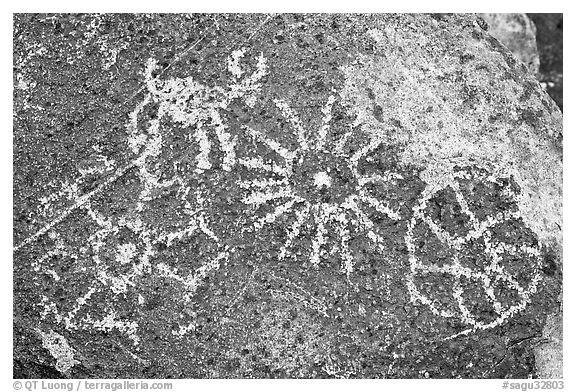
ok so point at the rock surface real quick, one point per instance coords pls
(281, 196)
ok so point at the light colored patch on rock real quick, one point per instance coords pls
(548, 355)
(425, 111)
(466, 108)
(59, 348)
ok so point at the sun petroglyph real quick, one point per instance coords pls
(492, 267)
(320, 184)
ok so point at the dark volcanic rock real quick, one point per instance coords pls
(281, 196)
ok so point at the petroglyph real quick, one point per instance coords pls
(491, 264)
(327, 200)
(196, 108)
(188, 103)
(59, 349)
(327, 204)
(116, 271)
(438, 140)
(296, 205)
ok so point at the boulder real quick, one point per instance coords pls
(328, 195)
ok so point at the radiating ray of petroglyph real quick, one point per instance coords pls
(275, 185)
(325, 128)
(485, 277)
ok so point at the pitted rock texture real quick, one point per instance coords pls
(281, 196)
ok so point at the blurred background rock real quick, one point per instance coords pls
(536, 39)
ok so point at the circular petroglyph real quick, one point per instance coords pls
(171, 134)
(121, 262)
(321, 184)
(488, 265)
